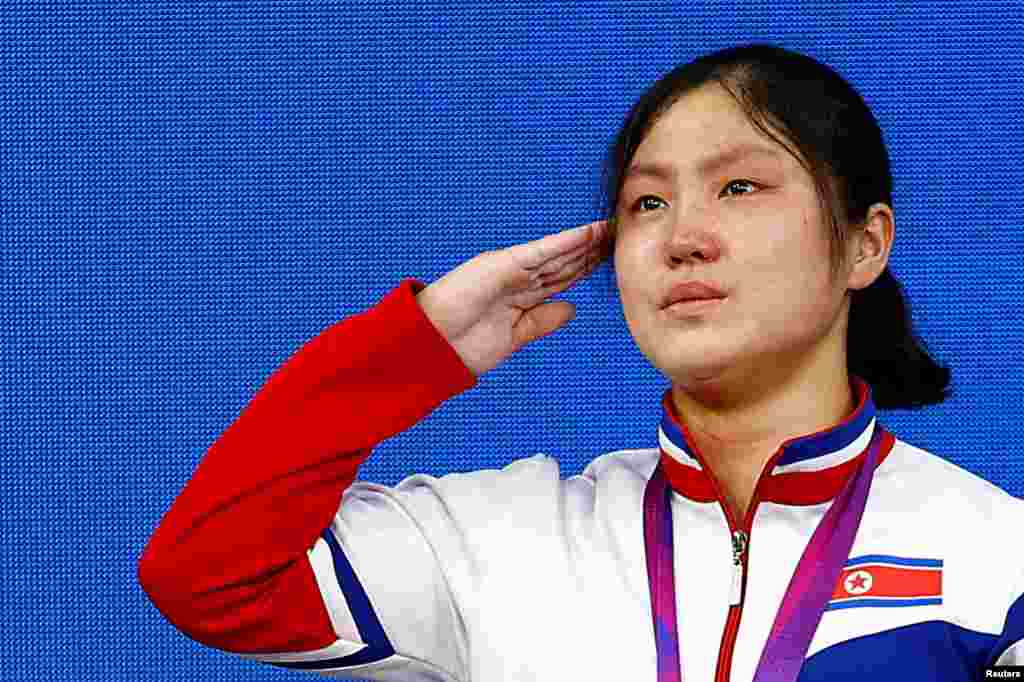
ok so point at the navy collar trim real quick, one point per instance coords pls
(824, 449)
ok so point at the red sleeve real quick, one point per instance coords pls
(227, 565)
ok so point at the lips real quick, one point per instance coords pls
(690, 291)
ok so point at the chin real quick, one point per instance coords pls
(699, 366)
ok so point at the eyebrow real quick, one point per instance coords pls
(707, 165)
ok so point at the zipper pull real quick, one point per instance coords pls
(739, 545)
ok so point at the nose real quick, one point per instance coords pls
(691, 242)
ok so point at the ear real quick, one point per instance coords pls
(869, 246)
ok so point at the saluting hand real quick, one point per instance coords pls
(492, 305)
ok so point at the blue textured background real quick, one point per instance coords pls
(191, 190)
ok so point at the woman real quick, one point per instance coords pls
(777, 530)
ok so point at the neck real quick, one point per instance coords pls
(737, 436)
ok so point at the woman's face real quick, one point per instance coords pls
(709, 198)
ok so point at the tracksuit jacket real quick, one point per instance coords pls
(272, 552)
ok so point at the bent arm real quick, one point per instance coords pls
(229, 562)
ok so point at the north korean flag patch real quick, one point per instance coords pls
(887, 581)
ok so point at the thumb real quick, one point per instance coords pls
(543, 320)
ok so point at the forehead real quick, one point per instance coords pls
(702, 124)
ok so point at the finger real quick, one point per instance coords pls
(562, 281)
(543, 288)
(584, 259)
(542, 320)
(604, 245)
(567, 259)
(538, 252)
(536, 288)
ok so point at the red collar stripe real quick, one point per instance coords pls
(805, 470)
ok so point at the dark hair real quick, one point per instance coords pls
(824, 123)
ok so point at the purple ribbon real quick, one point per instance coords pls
(809, 591)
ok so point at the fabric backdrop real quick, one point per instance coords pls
(192, 190)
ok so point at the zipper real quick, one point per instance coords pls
(740, 540)
(739, 548)
(740, 535)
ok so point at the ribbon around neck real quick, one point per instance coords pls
(809, 589)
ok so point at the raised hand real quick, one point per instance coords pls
(493, 304)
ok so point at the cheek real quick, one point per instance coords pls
(791, 247)
(789, 282)
(632, 274)
(629, 267)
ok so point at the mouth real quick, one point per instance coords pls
(693, 306)
(692, 290)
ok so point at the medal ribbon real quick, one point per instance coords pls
(809, 589)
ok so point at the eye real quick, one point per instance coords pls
(738, 183)
(645, 202)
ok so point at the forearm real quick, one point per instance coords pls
(272, 482)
